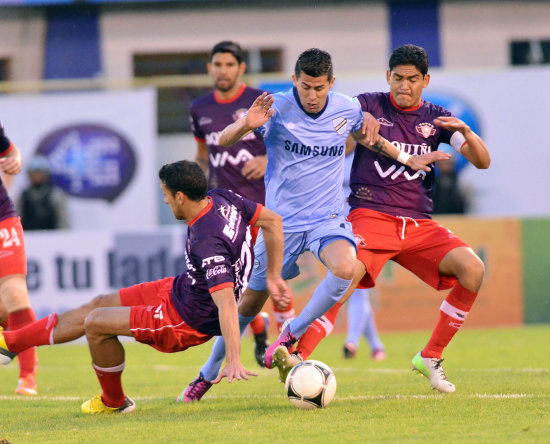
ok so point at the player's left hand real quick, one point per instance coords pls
(422, 162)
(233, 370)
(279, 292)
(255, 168)
(452, 123)
(10, 164)
(370, 128)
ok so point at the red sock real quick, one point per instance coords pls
(37, 333)
(282, 315)
(452, 314)
(27, 359)
(110, 380)
(258, 324)
(317, 330)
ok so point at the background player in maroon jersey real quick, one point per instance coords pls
(391, 207)
(174, 313)
(15, 308)
(240, 168)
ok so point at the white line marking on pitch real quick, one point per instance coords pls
(338, 398)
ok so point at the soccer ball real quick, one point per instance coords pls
(310, 384)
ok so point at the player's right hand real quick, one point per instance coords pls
(233, 370)
(370, 128)
(260, 111)
(422, 162)
(279, 291)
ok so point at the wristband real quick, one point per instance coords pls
(403, 157)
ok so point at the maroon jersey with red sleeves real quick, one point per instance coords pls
(7, 208)
(383, 184)
(219, 255)
(209, 117)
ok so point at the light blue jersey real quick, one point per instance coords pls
(305, 168)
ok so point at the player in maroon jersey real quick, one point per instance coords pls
(391, 208)
(15, 308)
(175, 313)
(240, 168)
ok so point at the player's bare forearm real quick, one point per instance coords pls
(475, 150)
(272, 228)
(229, 322)
(380, 146)
(234, 132)
(229, 325)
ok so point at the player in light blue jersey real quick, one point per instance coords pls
(305, 131)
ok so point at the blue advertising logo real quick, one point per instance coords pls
(89, 161)
(461, 110)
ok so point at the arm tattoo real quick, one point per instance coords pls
(379, 146)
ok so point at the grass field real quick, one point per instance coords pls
(502, 378)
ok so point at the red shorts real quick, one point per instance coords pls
(13, 259)
(418, 245)
(154, 319)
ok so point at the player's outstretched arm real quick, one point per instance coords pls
(384, 147)
(258, 114)
(272, 228)
(474, 149)
(229, 324)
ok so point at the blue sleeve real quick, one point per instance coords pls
(358, 116)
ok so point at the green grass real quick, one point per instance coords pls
(502, 378)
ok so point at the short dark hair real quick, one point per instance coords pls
(184, 176)
(315, 63)
(230, 47)
(410, 55)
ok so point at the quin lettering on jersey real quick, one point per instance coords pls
(412, 148)
(209, 260)
(214, 137)
(306, 150)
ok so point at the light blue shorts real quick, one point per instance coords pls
(314, 240)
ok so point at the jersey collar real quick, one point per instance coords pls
(202, 213)
(312, 115)
(231, 99)
(412, 108)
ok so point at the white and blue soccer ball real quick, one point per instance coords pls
(310, 384)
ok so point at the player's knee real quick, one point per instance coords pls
(473, 271)
(477, 269)
(344, 270)
(92, 322)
